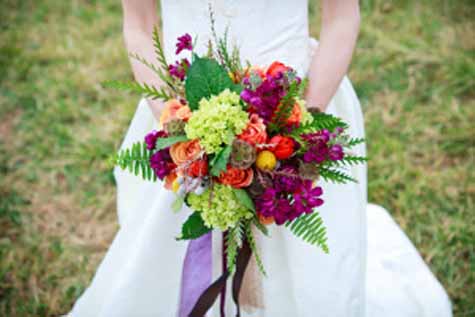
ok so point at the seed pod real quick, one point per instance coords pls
(243, 155)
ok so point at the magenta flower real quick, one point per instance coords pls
(288, 179)
(151, 138)
(307, 198)
(336, 152)
(161, 163)
(184, 42)
(179, 69)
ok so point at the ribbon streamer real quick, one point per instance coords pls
(209, 296)
(197, 274)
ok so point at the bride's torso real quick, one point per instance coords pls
(264, 30)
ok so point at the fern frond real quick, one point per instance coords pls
(284, 110)
(147, 90)
(335, 176)
(321, 121)
(310, 228)
(348, 160)
(355, 141)
(136, 160)
(252, 244)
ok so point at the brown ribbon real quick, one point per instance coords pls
(209, 296)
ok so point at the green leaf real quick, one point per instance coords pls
(244, 198)
(220, 161)
(205, 78)
(193, 228)
(166, 142)
(178, 203)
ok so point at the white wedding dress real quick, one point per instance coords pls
(372, 269)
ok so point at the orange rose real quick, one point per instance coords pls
(198, 168)
(282, 147)
(236, 177)
(275, 68)
(182, 152)
(255, 132)
(169, 179)
(183, 113)
(296, 115)
(174, 109)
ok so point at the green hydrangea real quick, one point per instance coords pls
(225, 209)
(217, 121)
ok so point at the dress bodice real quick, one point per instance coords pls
(264, 30)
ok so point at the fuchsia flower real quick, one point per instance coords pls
(161, 163)
(151, 138)
(307, 198)
(320, 148)
(289, 198)
(184, 42)
(179, 69)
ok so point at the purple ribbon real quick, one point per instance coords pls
(197, 273)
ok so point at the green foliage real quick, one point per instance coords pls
(171, 82)
(310, 228)
(285, 108)
(244, 198)
(145, 89)
(193, 228)
(159, 52)
(252, 244)
(220, 161)
(205, 78)
(136, 160)
(234, 240)
(355, 141)
(348, 160)
(335, 176)
(169, 141)
(321, 121)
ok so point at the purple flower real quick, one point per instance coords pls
(320, 148)
(266, 203)
(151, 138)
(161, 163)
(287, 179)
(307, 198)
(184, 42)
(336, 152)
(179, 69)
(284, 211)
(316, 153)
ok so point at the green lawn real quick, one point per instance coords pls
(414, 71)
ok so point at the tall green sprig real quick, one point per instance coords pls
(172, 87)
(229, 60)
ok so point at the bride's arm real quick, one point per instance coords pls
(140, 17)
(339, 31)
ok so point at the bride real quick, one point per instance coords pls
(372, 268)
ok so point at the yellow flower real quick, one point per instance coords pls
(266, 160)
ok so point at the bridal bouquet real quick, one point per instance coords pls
(237, 145)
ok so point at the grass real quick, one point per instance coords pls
(414, 71)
